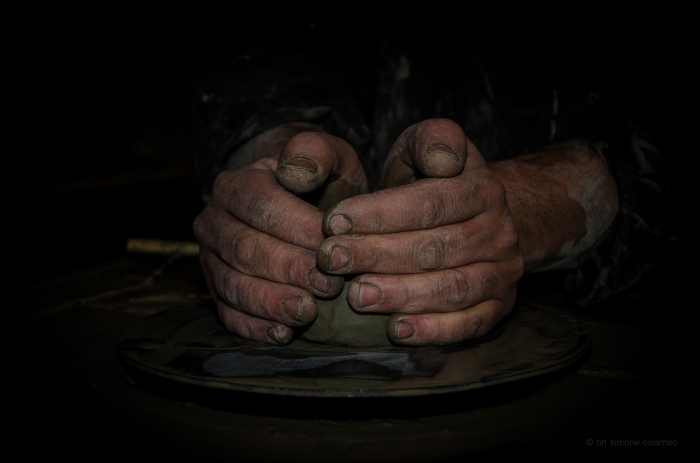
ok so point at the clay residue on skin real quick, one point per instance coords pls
(562, 218)
(554, 196)
(338, 324)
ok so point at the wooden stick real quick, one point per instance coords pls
(164, 247)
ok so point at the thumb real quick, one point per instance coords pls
(435, 148)
(323, 165)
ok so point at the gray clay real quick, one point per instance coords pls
(338, 324)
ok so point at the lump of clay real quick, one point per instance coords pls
(338, 324)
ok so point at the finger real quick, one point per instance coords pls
(447, 328)
(249, 327)
(442, 291)
(257, 254)
(260, 298)
(312, 159)
(242, 324)
(424, 250)
(254, 197)
(435, 148)
(426, 203)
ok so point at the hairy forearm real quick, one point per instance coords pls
(562, 198)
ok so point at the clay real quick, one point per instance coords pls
(339, 325)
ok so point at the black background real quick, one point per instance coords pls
(99, 147)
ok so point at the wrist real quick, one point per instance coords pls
(562, 198)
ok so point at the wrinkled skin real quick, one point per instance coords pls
(440, 253)
(438, 247)
(258, 240)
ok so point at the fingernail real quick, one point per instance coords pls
(340, 258)
(318, 280)
(442, 151)
(279, 334)
(340, 224)
(443, 160)
(293, 308)
(367, 295)
(404, 330)
(301, 163)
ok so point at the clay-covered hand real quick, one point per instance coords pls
(437, 247)
(258, 239)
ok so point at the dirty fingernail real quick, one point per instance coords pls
(368, 294)
(442, 151)
(279, 334)
(404, 330)
(443, 161)
(318, 281)
(340, 258)
(301, 162)
(340, 224)
(293, 308)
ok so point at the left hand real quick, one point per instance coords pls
(258, 239)
(437, 248)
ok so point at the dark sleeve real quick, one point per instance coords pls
(634, 247)
(238, 95)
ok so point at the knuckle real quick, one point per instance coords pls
(244, 250)
(453, 289)
(487, 280)
(431, 253)
(260, 211)
(432, 213)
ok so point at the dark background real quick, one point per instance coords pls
(100, 148)
(101, 143)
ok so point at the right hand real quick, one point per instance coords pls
(437, 249)
(258, 240)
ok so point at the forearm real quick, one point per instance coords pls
(563, 199)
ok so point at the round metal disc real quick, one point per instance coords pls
(188, 344)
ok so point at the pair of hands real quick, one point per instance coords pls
(436, 248)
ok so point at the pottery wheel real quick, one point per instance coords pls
(188, 344)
